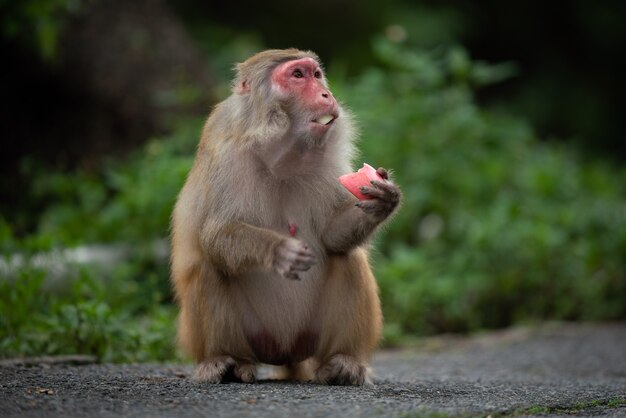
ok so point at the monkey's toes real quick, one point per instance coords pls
(246, 373)
(214, 370)
(342, 370)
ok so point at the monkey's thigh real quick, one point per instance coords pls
(350, 308)
(209, 323)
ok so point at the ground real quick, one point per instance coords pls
(551, 370)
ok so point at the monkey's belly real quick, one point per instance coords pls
(267, 350)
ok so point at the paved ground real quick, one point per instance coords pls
(554, 370)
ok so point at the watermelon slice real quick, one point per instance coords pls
(354, 181)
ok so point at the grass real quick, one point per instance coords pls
(573, 409)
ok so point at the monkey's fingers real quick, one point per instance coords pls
(300, 265)
(292, 276)
(289, 271)
(298, 261)
(383, 173)
(372, 192)
(378, 208)
(390, 191)
(301, 255)
(290, 256)
(305, 254)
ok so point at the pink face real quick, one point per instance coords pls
(303, 80)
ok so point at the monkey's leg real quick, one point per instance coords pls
(209, 331)
(352, 321)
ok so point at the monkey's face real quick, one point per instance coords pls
(301, 85)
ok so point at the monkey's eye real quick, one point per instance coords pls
(317, 74)
(297, 74)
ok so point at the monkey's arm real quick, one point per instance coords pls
(238, 246)
(349, 228)
(354, 223)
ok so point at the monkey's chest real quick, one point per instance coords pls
(299, 212)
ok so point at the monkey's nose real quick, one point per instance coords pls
(325, 95)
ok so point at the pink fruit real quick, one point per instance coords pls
(354, 181)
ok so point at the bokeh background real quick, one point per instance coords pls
(503, 122)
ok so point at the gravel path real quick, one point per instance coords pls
(554, 370)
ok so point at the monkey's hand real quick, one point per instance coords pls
(385, 197)
(352, 225)
(292, 257)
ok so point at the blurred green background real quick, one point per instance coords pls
(502, 122)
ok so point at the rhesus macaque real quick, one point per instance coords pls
(269, 251)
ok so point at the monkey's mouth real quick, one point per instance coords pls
(325, 120)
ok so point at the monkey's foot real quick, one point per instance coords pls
(224, 369)
(343, 370)
(246, 373)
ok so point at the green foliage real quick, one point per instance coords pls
(128, 200)
(89, 317)
(496, 227)
(37, 22)
(120, 315)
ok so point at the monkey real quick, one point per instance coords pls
(269, 253)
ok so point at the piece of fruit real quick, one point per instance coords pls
(325, 120)
(354, 181)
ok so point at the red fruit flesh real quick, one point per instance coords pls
(354, 181)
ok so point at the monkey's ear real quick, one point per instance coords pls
(242, 87)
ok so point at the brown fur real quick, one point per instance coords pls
(233, 257)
